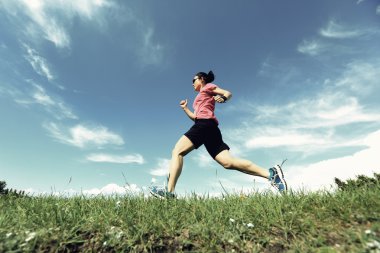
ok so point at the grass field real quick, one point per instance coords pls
(344, 221)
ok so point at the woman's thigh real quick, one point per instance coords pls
(183, 146)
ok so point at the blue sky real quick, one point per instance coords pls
(90, 91)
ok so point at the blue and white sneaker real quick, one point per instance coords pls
(161, 192)
(277, 179)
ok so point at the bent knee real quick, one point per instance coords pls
(227, 165)
(178, 152)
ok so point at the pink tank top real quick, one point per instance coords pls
(204, 103)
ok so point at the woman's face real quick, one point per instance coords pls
(197, 83)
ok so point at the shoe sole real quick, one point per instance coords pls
(159, 196)
(156, 195)
(281, 175)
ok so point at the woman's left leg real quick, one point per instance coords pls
(225, 159)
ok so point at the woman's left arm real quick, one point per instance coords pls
(222, 95)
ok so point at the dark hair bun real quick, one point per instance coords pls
(210, 77)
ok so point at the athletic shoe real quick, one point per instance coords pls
(277, 179)
(161, 192)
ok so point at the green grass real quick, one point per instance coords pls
(344, 221)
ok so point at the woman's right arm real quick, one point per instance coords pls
(189, 113)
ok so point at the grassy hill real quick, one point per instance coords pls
(343, 221)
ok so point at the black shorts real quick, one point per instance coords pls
(206, 131)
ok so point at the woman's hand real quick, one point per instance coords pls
(221, 96)
(220, 99)
(189, 113)
(183, 103)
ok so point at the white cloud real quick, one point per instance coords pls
(109, 189)
(39, 96)
(49, 19)
(43, 23)
(83, 137)
(53, 105)
(239, 183)
(312, 121)
(38, 63)
(321, 175)
(338, 31)
(112, 189)
(151, 52)
(361, 77)
(203, 159)
(307, 122)
(311, 47)
(378, 10)
(53, 20)
(162, 168)
(99, 135)
(284, 139)
(107, 158)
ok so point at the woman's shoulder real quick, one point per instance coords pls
(210, 87)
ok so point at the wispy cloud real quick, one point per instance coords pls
(84, 137)
(360, 77)
(203, 159)
(284, 139)
(38, 63)
(108, 158)
(337, 31)
(49, 19)
(312, 123)
(54, 105)
(37, 95)
(326, 41)
(321, 175)
(109, 189)
(113, 188)
(162, 168)
(311, 47)
(378, 10)
(41, 97)
(307, 123)
(151, 51)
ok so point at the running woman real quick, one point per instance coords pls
(205, 131)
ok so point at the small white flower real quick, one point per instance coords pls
(105, 243)
(250, 225)
(373, 245)
(8, 235)
(368, 232)
(30, 236)
(232, 220)
(118, 235)
(118, 203)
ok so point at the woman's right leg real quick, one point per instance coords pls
(182, 148)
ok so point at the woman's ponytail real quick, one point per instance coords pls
(210, 77)
(207, 77)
